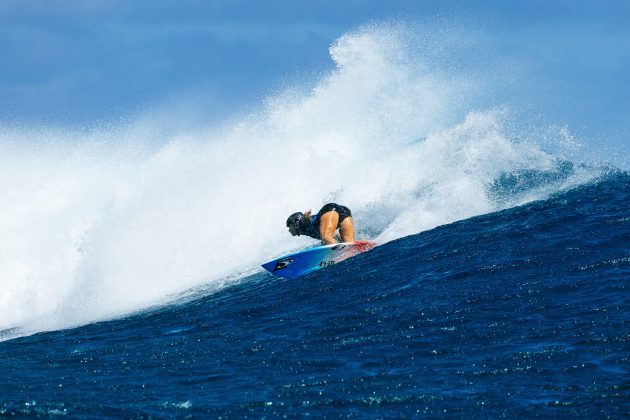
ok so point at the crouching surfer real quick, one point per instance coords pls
(324, 224)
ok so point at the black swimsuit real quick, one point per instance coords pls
(312, 229)
(342, 210)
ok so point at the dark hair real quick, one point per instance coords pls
(294, 219)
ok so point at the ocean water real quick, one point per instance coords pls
(130, 254)
(522, 312)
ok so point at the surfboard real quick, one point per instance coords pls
(308, 260)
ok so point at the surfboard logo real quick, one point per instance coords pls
(283, 263)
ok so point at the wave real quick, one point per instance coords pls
(108, 221)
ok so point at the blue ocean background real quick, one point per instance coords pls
(131, 249)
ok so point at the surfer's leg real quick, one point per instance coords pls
(327, 226)
(346, 229)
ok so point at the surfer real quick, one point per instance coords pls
(324, 224)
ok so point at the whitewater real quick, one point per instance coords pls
(102, 222)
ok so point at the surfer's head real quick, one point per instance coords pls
(293, 223)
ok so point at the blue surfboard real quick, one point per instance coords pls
(308, 260)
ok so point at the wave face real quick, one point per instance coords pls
(109, 221)
(517, 313)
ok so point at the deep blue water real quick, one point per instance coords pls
(518, 313)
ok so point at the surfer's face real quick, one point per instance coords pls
(293, 231)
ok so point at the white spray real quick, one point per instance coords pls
(99, 224)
